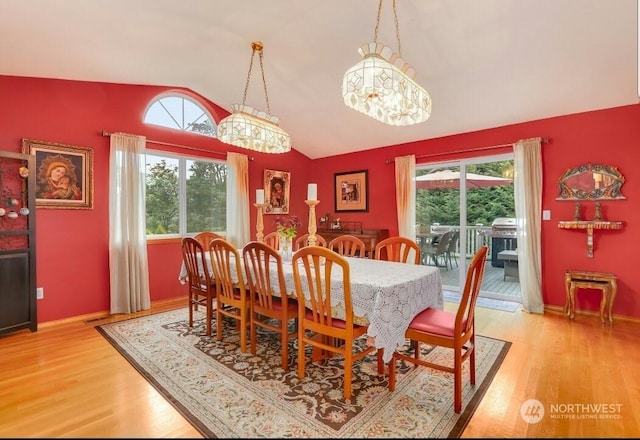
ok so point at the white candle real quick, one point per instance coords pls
(312, 191)
(259, 196)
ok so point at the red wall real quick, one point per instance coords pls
(72, 245)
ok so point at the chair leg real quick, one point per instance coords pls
(457, 381)
(348, 364)
(209, 318)
(392, 374)
(284, 344)
(301, 359)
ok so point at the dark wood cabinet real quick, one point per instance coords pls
(370, 237)
(17, 243)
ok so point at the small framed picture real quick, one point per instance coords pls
(276, 191)
(351, 191)
(64, 174)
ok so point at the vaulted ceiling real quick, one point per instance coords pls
(485, 63)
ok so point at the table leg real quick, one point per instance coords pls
(567, 284)
(604, 302)
(572, 301)
(612, 296)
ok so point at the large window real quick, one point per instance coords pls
(180, 112)
(184, 195)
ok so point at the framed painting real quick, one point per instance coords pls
(351, 191)
(64, 174)
(276, 191)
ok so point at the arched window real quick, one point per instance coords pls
(180, 112)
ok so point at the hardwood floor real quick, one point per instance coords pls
(66, 380)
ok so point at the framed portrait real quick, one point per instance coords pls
(64, 174)
(351, 191)
(276, 191)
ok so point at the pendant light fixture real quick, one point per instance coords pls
(382, 85)
(253, 129)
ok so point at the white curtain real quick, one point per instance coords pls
(238, 226)
(527, 181)
(127, 229)
(406, 195)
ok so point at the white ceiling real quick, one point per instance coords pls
(485, 63)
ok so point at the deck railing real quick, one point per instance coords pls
(475, 238)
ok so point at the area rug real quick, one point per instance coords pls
(487, 303)
(226, 393)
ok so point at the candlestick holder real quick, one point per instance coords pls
(259, 222)
(312, 221)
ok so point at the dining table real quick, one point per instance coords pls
(385, 296)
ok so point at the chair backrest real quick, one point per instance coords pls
(272, 239)
(348, 245)
(313, 289)
(194, 257)
(303, 241)
(205, 238)
(475, 274)
(453, 241)
(225, 260)
(259, 258)
(443, 244)
(397, 249)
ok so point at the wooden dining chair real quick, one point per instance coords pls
(200, 282)
(205, 237)
(303, 241)
(232, 297)
(454, 330)
(397, 249)
(314, 268)
(272, 309)
(348, 246)
(272, 239)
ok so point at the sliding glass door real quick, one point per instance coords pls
(458, 205)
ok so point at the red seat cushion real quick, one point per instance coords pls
(434, 321)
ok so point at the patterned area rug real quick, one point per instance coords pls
(226, 393)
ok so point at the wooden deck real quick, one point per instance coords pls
(493, 285)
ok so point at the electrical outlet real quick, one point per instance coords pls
(40, 292)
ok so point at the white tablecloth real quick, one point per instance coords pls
(386, 295)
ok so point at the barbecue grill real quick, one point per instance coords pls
(503, 237)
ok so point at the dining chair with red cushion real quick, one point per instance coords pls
(303, 240)
(454, 330)
(232, 297)
(272, 309)
(397, 249)
(201, 284)
(313, 269)
(348, 246)
(205, 237)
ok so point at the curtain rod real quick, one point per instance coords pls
(544, 140)
(168, 144)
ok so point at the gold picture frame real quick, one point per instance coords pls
(351, 191)
(64, 174)
(276, 191)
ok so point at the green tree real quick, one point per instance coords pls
(162, 199)
(207, 197)
(483, 204)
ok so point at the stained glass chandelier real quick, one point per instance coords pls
(254, 129)
(381, 85)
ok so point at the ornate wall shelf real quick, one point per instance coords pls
(589, 226)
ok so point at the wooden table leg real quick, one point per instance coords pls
(606, 293)
(614, 289)
(572, 301)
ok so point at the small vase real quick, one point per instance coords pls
(285, 248)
